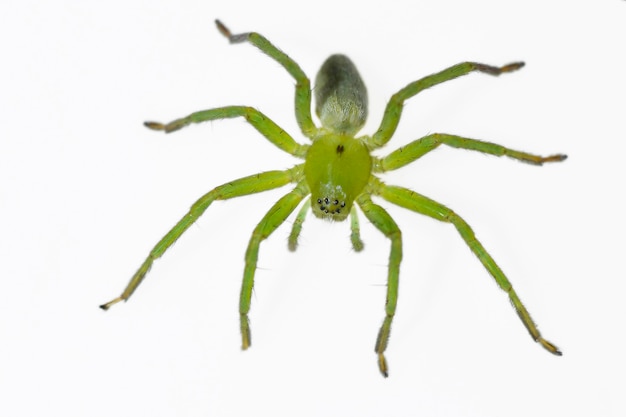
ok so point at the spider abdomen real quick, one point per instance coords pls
(340, 96)
(337, 168)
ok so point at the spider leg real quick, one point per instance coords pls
(391, 117)
(421, 204)
(292, 243)
(383, 222)
(243, 186)
(274, 218)
(258, 120)
(416, 149)
(303, 84)
(355, 235)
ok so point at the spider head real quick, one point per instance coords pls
(337, 168)
(333, 207)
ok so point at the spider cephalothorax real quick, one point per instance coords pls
(339, 170)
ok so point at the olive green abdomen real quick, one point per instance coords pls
(340, 96)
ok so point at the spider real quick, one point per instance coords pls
(339, 170)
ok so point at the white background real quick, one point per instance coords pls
(86, 191)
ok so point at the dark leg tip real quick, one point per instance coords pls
(382, 365)
(514, 66)
(108, 305)
(154, 125)
(556, 158)
(222, 29)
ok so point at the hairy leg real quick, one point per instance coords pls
(274, 218)
(258, 120)
(420, 204)
(243, 186)
(416, 149)
(383, 222)
(303, 85)
(393, 111)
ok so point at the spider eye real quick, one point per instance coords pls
(333, 207)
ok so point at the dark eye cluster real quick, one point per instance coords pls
(330, 205)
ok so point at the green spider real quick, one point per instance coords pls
(338, 170)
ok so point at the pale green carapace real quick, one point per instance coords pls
(339, 170)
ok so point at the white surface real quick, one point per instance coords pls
(86, 191)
